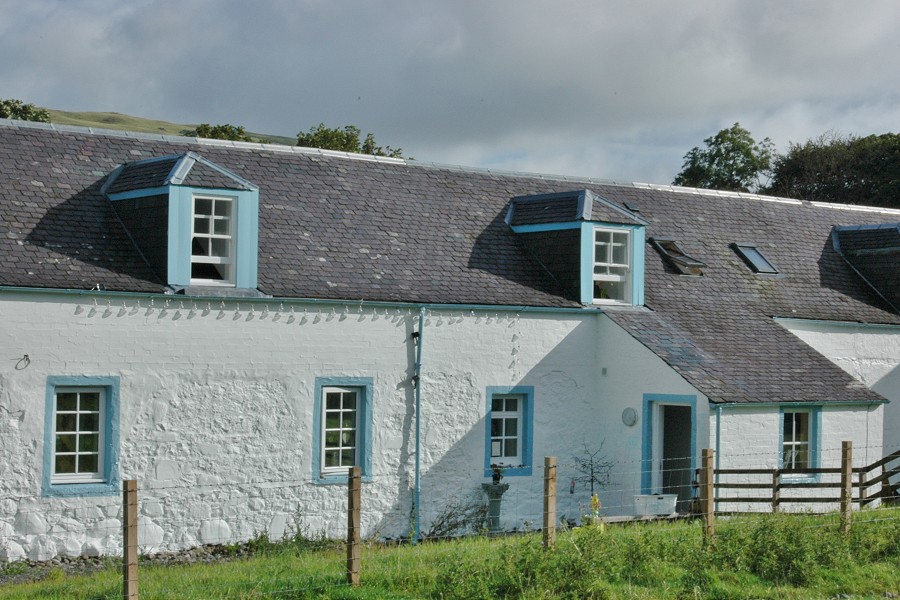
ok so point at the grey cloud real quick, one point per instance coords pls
(612, 89)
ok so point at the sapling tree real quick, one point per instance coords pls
(594, 468)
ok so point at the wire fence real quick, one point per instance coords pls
(171, 520)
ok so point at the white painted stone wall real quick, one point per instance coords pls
(217, 413)
(217, 402)
(869, 353)
(751, 437)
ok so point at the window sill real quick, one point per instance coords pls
(523, 471)
(337, 479)
(70, 489)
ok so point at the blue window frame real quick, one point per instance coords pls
(81, 436)
(612, 264)
(342, 428)
(201, 254)
(799, 438)
(509, 430)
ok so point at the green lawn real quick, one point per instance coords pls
(771, 556)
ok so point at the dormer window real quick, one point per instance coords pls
(612, 265)
(593, 247)
(212, 241)
(195, 222)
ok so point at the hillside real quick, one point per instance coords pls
(113, 120)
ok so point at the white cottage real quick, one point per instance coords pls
(234, 325)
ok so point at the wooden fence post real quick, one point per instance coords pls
(354, 488)
(549, 502)
(846, 485)
(130, 539)
(707, 494)
(776, 490)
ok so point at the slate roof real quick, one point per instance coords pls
(336, 226)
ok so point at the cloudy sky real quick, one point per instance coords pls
(609, 89)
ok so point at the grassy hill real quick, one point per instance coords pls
(113, 120)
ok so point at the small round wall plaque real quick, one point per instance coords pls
(629, 416)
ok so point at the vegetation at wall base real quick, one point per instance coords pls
(764, 556)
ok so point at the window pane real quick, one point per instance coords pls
(65, 464)
(348, 458)
(223, 208)
(349, 420)
(201, 225)
(66, 401)
(512, 404)
(220, 226)
(801, 454)
(219, 248)
(350, 401)
(88, 443)
(200, 246)
(90, 401)
(202, 206)
(65, 443)
(495, 448)
(333, 400)
(332, 420)
(512, 427)
(801, 422)
(89, 422)
(331, 458)
(348, 438)
(332, 439)
(87, 463)
(496, 427)
(609, 290)
(65, 422)
(789, 427)
(496, 404)
(512, 448)
(620, 254)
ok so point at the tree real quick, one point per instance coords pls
(344, 140)
(847, 170)
(732, 160)
(235, 133)
(16, 109)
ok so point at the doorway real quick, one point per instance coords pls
(670, 442)
(675, 460)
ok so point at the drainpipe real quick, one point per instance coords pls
(417, 383)
(718, 443)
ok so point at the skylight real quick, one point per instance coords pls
(755, 259)
(677, 258)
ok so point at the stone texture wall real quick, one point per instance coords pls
(217, 413)
(216, 404)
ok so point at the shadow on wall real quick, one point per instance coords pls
(568, 413)
(85, 229)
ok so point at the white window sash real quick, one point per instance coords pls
(323, 448)
(92, 477)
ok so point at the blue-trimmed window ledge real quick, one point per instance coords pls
(109, 467)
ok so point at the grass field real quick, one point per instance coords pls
(770, 556)
(112, 120)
